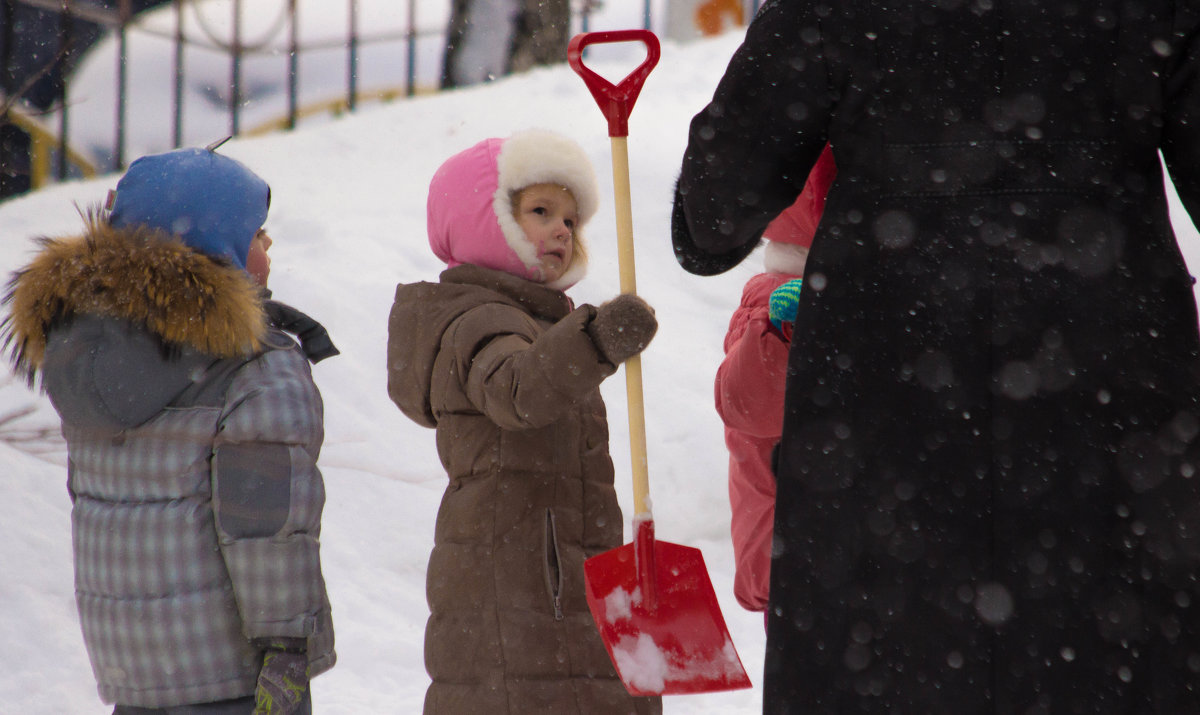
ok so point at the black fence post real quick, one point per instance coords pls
(235, 79)
(352, 57)
(410, 79)
(293, 66)
(177, 96)
(65, 29)
(124, 13)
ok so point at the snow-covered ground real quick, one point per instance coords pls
(347, 217)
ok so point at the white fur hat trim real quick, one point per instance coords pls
(786, 258)
(538, 156)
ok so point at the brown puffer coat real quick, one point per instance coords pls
(505, 371)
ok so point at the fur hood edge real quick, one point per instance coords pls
(136, 274)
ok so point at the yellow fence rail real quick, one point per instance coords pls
(43, 145)
(335, 107)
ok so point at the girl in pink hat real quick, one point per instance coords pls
(499, 362)
(750, 382)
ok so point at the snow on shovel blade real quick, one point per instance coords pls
(659, 618)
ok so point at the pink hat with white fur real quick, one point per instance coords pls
(470, 212)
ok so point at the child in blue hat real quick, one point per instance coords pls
(193, 427)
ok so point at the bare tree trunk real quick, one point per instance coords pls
(542, 34)
(456, 33)
(490, 38)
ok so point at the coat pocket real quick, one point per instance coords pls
(553, 566)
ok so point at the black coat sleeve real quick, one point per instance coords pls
(751, 149)
(1181, 127)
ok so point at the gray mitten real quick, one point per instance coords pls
(622, 327)
(283, 680)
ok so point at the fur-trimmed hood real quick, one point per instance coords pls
(154, 281)
(469, 210)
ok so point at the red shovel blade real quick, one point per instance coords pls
(659, 618)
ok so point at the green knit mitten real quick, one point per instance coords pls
(785, 303)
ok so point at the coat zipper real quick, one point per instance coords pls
(553, 566)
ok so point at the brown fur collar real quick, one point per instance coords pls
(140, 275)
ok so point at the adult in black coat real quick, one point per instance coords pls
(988, 498)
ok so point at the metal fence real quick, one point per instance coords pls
(49, 126)
(43, 127)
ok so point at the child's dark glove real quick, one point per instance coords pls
(622, 328)
(785, 302)
(283, 680)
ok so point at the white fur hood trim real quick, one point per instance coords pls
(537, 156)
(784, 258)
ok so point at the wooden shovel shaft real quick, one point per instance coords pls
(633, 366)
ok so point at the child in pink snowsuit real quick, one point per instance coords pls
(750, 386)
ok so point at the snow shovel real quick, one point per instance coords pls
(652, 601)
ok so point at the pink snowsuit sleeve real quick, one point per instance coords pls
(749, 398)
(798, 223)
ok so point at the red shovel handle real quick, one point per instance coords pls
(615, 101)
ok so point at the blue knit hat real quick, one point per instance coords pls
(214, 203)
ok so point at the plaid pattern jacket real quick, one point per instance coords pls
(197, 498)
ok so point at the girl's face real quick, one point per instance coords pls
(548, 215)
(258, 263)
